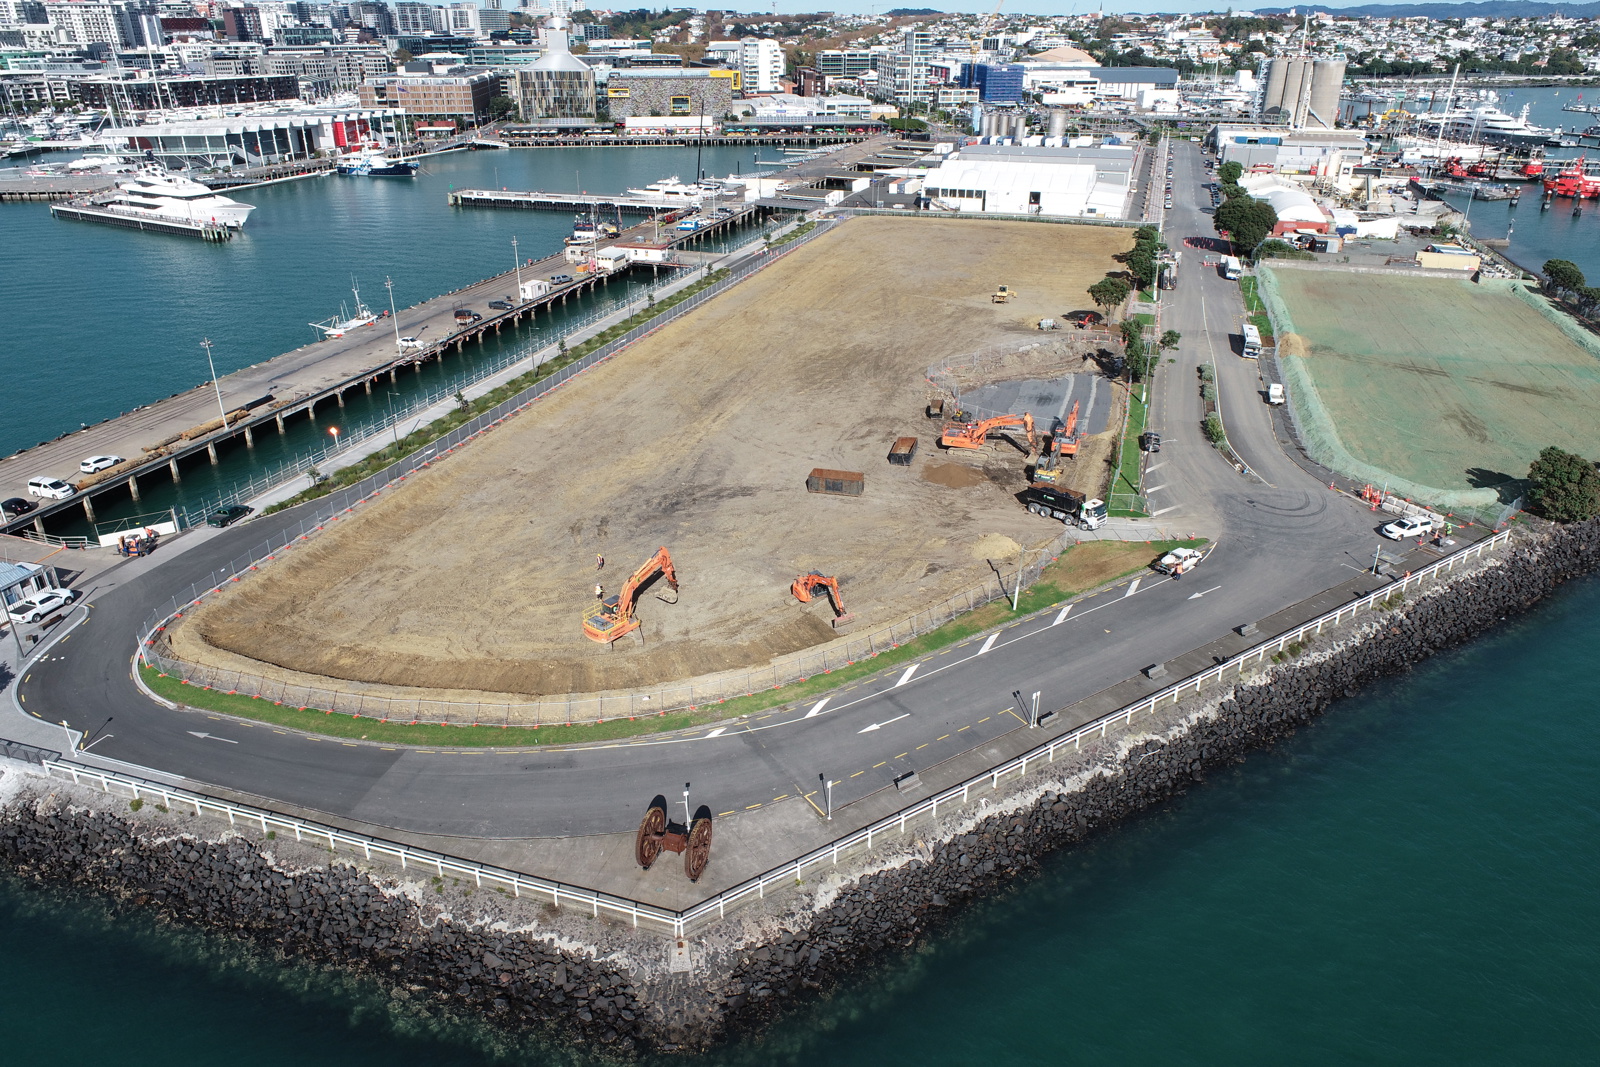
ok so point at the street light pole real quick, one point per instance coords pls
(205, 343)
(394, 317)
(686, 804)
(516, 258)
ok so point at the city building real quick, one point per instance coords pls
(761, 64)
(457, 100)
(145, 93)
(997, 83)
(257, 140)
(692, 91)
(420, 19)
(1016, 180)
(1279, 149)
(82, 23)
(844, 63)
(557, 89)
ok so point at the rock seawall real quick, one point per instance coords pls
(523, 966)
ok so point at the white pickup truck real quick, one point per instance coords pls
(1274, 393)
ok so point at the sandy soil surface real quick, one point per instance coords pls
(475, 576)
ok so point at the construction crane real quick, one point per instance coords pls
(973, 434)
(614, 618)
(806, 587)
(977, 41)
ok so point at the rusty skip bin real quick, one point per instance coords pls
(836, 483)
(903, 451)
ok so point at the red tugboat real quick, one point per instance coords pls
(1574, 180)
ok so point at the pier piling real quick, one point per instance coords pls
(133, 488)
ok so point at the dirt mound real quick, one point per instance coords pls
(1292, 344)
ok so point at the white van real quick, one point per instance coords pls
(49, 488)
(1252, 341)
(1230, 268)
(1274, 393)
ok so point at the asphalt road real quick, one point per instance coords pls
(1280, 538)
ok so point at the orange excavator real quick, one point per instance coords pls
(614, 618)
(1066, 443)
(806, 587)
(973, 434)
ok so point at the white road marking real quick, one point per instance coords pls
(1155, 466)
(987, 645)
(1061, 618)
(1163, 511)
(1156, 488)
(817, 707)
(906, 677)
(881, 725)
(717, 732)
(1133, 587)
(210, 737)
(1203, 592)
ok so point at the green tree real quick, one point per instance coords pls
(1141, 263)
(402, 56)
(501, 106)
(1169, 340)
(1230, 172)
(1110, 292)
(1564, 274)
(1566, 487)
(1246, 220)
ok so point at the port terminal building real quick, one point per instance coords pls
(257, 140)
(1284, 150)
(1012, 179)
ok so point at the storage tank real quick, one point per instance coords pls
(1327, 79)
(991, 124)
(1272, 88)
(1058, 123)
(1019, 126)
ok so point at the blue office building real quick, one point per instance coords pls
(997, 83)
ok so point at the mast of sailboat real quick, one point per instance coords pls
(393, 317)
(1438, 146)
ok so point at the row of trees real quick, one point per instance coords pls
(1564, 278)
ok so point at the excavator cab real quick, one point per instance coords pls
(806, 587)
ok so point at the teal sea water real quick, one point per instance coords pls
(1409, 880)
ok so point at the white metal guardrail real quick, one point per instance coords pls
(677, 923)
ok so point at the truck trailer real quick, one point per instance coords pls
(1065, 505)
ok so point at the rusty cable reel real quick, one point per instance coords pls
(698, 854)
(652, 828)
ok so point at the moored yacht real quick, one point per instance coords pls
(155, 199)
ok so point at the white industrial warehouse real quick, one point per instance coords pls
(1029, 180)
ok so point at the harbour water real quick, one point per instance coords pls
(110, 319)
(1411, 879)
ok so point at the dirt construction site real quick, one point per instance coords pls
(1446, 384)
(474, 579)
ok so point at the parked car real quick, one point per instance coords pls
(502, 305)
(1410, 526)
(560, 279)
(466, 315)
(41, 604)
(228, 516)
(1150, 441)
(1179, 561)
(15, 506)
(96, 464)
(49, 488)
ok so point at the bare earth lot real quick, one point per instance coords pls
(474, 577)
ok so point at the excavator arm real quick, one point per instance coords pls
(973, 434)
(614, 617)
(806, 586)
(1070, 435)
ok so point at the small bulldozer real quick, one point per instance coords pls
(1002, 295)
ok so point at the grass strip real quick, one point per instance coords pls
(470, 409)
(1077, 570)
(1127, 477)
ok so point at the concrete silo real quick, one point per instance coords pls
(1057, 123)
(1327, 78)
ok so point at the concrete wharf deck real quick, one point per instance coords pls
(297, 383)
(55, 186)
(538, 201)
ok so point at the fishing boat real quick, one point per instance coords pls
(344, 322)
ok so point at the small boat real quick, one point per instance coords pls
(373, 163)
(583, 232)
(342, 324)
(671, 190)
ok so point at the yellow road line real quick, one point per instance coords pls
(784, 797)
(985, 719)
(941, 738)
(751, 807)
(1012, 712)
(813, 803)
(901, 756)
(721, 814)
(919, 748)
(858, 774)
(967, 727)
